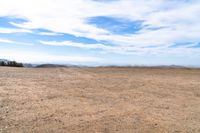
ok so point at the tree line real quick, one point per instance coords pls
(11, 64)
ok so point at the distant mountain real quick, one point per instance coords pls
(49, 66)
(28, 65)
(57, 65)
(170, 66)
(5, 62)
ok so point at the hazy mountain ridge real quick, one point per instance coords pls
(52, 65)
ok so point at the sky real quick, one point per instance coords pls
(101, 32)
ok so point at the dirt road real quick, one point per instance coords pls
(99, 100)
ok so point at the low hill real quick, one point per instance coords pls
(49, 66)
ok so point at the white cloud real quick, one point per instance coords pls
(12, 30)
(49, 33)
(131, 50)
(181, 20)
(6, 41)
(35, 57)
(73, 44)
(14, 42)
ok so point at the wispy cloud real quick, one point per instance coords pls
(15, 42)
(65, 16)
(6, 41)
(35, 57)
(12, 30)
(73, 44)
(49, 33)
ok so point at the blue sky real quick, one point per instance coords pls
(100, 32)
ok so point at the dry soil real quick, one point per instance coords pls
(99, 100)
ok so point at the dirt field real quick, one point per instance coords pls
(99, 100)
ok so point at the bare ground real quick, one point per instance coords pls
(103, 100)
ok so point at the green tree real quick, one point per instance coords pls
(13, 64)
(2, 63)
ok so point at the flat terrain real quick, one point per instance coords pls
(99, 100)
